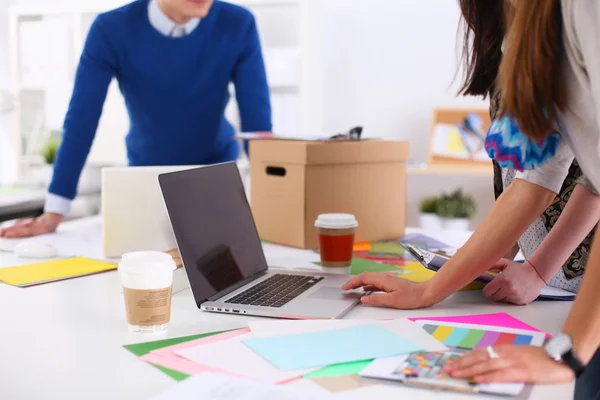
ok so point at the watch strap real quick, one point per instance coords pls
(571, 360)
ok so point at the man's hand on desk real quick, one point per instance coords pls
(47, 223)
(398, 292)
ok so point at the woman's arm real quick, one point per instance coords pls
(522, 283)
(578, 218)
(514, 211)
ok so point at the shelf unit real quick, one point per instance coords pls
(279, 23)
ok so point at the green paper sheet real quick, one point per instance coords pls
(141, 349)
(387, 248)
(352, 368)
(359, 266)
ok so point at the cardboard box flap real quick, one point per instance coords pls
(329, 152)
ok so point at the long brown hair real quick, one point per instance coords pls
(484, 28)
(530, 69)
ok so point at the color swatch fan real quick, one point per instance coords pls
(469, 337)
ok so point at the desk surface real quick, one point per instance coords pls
(64, 340)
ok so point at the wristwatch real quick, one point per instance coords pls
(560, 349)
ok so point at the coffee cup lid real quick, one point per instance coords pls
(143, 262)
(336, 221)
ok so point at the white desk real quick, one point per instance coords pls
(64, 340)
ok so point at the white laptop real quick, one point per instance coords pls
(133, 211)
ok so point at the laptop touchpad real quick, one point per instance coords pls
(333, 293)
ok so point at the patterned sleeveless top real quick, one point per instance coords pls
(574, 268)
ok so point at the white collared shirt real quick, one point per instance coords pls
(159, 20)
(165, 25)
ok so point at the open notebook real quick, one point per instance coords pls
(435, 261)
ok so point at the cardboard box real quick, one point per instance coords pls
(292, 182)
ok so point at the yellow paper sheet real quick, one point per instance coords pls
(43, 272)
(418, 273)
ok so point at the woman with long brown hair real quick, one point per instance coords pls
(550, 76)
(550, 259)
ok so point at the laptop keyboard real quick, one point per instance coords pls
(276, 291)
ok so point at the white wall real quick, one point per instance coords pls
(385, 65)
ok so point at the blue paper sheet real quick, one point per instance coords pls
(418, 239)
(319, 349)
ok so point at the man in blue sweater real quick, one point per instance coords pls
(173, 60)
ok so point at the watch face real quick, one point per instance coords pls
(558, 346)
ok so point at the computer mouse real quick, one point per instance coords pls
(35, 250)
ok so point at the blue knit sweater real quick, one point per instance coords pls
(175, 89)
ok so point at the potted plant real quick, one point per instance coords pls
(41, 168)
(429, 218)
(456, 209)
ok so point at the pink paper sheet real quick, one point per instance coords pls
(166, 351)
(500, 320)
(178, 364)
(167, 358)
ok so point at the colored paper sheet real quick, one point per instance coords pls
(392, 248)
(386, 259)
(362, 246)
(351, 368)
(419, 239)
(178, 364)
(141, 349)
(27, 275)
(421, 274)
(360, 265)
(409, 330)
(166, 357)
(319, 349)
(339, 384)
(234, 357)
(217, 337)
(500, 320)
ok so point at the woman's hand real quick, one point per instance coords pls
(398, 292)
(32, 226)
(518, 283)
(527, 364)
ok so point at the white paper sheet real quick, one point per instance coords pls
(383, 368)
(550, 291)
(68, 244)
(235, 358)
(211, 386)
(402, 327)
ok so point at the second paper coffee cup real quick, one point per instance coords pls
(336, 239)
(147, 279)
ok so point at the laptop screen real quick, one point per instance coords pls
(214, 228)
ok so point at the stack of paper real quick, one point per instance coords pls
(275, 351)
(282, 351)
(52, 271)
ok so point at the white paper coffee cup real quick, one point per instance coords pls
(147, 280)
